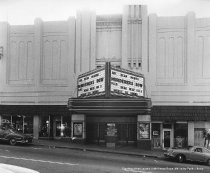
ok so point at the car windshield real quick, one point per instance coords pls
(12, 131)
(190, 148)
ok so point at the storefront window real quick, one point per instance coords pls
(66, 126)
(198, 136)
(28, 124)
(6, 121)
(21, 123)
(63, 126)
(17, 122)
(44, 126)
(144, 130)
(58, 126)
(180, 134)
(156, 135)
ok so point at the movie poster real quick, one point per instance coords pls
(78, 129)
(144, 130)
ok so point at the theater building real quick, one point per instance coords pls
(44, 66)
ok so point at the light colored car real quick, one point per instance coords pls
(6, 168)
(195, 153)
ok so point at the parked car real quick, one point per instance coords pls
(193, 153)
(13, 137)
(6, 168)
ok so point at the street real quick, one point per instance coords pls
(50, 160)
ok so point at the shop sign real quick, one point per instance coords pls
(91, 84)
(78, 129)
(155, 133)
(111, 129)
(144, 130)
(126, 84)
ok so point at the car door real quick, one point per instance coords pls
(206, 153)
(197, 155)
(1, 133)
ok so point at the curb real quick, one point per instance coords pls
(102, 151)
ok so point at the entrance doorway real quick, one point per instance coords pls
(96, 132)
(166, 138)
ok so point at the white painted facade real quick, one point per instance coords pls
(41, 62)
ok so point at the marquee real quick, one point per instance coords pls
(110, 81)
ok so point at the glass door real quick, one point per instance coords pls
(166, 138)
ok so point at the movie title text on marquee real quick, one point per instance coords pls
(92, 84)
(126, 84)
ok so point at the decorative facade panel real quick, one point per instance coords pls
(53, 66)
(134, 39)
(21, 61)
(202, 61)
(170, 58)
(108, 39)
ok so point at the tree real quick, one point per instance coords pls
(206, 136)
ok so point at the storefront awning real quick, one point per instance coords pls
(180, 113)
(110, 106)
(34, 109)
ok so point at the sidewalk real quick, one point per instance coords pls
(126, 150)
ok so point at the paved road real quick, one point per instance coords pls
(51, 160)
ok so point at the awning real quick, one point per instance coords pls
(110, 106)
(34, 109)
(180, 113)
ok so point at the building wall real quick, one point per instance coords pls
(42, 61)
(179, 60)
(38, 63)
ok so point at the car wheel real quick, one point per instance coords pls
(208, 162)
(12, 141)
(180, 158)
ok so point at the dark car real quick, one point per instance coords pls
(13, 137)
(196, 153)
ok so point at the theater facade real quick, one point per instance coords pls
(114, 79)
(111, 108)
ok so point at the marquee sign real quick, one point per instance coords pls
(110, 81)
(126, 83)
(92, 83)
